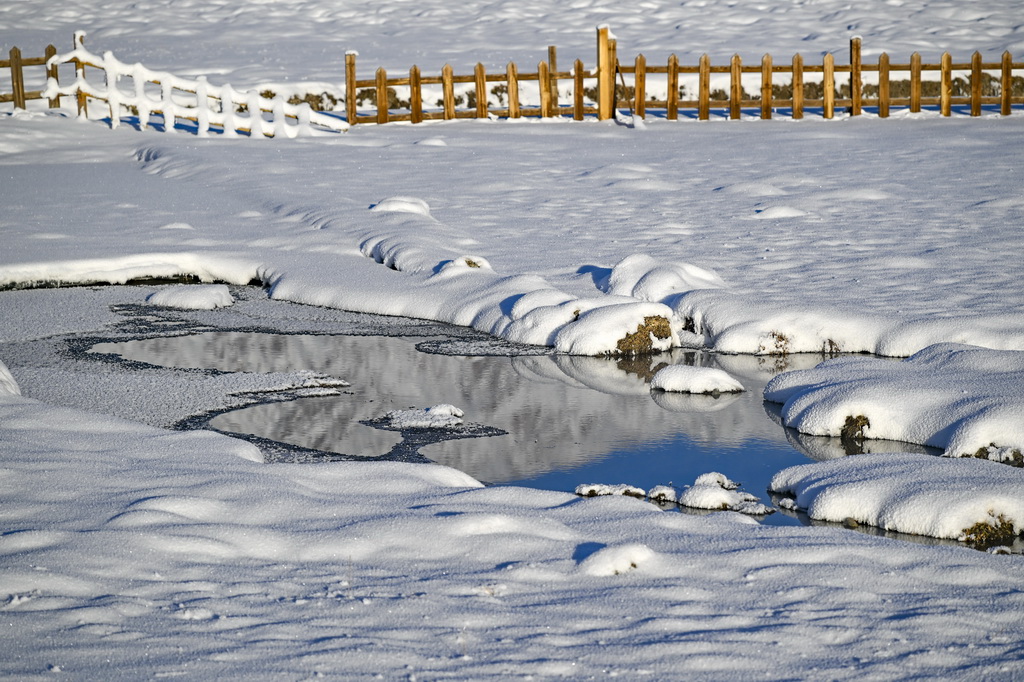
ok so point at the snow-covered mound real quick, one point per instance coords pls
(689, 379)
(600, 489)
(8, 386)
(966, 400)
(909, 493)
(436, 417)
(715, 491)
(403, 205)
(193, 297)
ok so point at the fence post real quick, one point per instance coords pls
(81, 98)
(946, 92)
(735, 86)
(382, 95)
(856, 84)
(481, 90)
(52, 72)
(552, 70)
(828, 86)
(798, 87)
(577, 92)
(512, 77)
(704, 88)
(545, 89)
(883, 85)
(448, 86)
(915, 83)
(17, 79)
(672, 105)
(415, 95)
(605, 74)
(350, 87)
(976, 84)
(1006, 91)
(766, 86)
(640, 86)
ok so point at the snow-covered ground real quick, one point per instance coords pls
(132, 551)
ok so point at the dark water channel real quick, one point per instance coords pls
(562, 420)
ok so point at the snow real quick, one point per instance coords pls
(715, 491)
(436, 417)
(132, 551)
(8, 386)
(909, 493)
(688, 379)
(961, 399)
(193, 297)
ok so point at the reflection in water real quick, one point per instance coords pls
(568, 420)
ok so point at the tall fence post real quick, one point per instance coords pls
(640, 86)
(52, 72)
(512, 76)
(605, 74)
(735, 86)
(350, 87)
(17, 79)
(448, 87)
(1006, 91)
(552, 74)
(828, 86)
(382, 95)
(704, 88)
(577, 91)
(946, 91)
(798, 86)
(545, 89)
(915, 83)
(856, 82)
(480, 78)
(883, 85)
(766, 86)
(415, 95)
(976, 84)
(672, 105)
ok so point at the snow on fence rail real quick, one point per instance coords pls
(807, 86)
(146, 94)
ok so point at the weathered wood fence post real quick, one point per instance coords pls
(856, 82)
(350, 86)
(605, 74)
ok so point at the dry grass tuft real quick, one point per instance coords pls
(641, 341)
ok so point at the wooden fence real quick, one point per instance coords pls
(792, 89)
(15, 64)
(150, 96)
(604, 89)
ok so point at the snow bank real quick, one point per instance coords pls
(8, 386)
(689, 379)
(909, 493)
(962, 399)
(192, 297)
(715, 491)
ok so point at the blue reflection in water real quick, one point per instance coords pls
(678, 461)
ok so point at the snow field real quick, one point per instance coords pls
(210, 563)
(129, 551)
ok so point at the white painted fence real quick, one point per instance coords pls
(144, 93)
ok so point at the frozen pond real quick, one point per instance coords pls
(557, 421)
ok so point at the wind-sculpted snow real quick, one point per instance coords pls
(963, 399)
